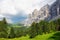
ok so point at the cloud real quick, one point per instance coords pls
(11, 6)
(9, 20)
(12, 9)
(20, 16)
(7, 7)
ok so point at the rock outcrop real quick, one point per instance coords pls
(47, 12)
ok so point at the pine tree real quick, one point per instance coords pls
(12, 34)
(58, 24)
(3, 28)
(33, 32)
(53, 26)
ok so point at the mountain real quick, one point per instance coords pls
(36, 15)
(55, 9)
(47, 12)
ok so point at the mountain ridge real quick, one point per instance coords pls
(47, 12)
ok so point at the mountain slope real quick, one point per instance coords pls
(47, 12)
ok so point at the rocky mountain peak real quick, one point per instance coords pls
(47, 12)
(35, 12)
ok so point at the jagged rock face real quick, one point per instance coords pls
(36, 15)
(58, 6)
(41, 14)
(55, 9)
(58, 2)
(45, 13)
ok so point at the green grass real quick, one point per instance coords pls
(56, 36)
(39, 37)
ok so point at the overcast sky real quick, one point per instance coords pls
(16, 10)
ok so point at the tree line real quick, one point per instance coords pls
(43, 27)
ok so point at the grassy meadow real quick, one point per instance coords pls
(39, 37)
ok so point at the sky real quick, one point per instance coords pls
(17, 10)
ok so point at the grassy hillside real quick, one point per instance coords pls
(50, 36)
(39, 37)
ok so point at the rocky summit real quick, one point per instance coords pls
(47, 12)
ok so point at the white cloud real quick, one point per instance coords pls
(1, 16)
(11, 6)
(7, 7)
(9, 20)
